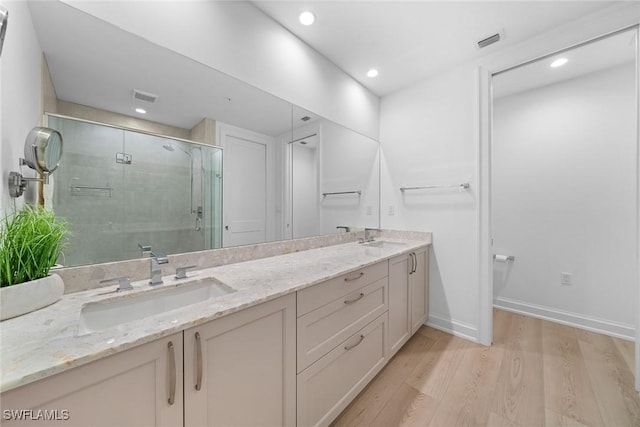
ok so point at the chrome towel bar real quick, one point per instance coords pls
(358, 192)
(464, 185)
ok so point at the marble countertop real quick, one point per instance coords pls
(46, 342)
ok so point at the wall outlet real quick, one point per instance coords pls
(566, 279)
(369, 210)
(392, 210)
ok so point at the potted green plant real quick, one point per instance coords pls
(31, 241)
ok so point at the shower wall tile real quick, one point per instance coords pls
(150, 201)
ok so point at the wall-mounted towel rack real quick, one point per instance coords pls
(358, 192)
(464, 185)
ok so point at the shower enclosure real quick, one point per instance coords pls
(124, 191)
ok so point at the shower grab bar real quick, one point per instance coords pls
(358, 192)
(464, 185)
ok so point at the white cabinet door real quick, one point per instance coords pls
(244, 365)
(419, 289)
(131, 388)
(399, 302)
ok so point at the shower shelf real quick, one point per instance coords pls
(464, 185)
(85, 190)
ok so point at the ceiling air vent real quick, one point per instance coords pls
(489, 40)
(144, 96)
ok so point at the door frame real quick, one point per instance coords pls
(484, 150)
(287, 142)
(224, 130)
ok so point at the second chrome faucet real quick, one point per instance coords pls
(157, 259)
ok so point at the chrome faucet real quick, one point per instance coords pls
(156, 272)
(367, 236)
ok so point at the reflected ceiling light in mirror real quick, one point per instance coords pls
(307, 18)
(141, 111)
(559, 62)
(372, 73)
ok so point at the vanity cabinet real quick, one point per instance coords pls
(244, 365)
(132, 388)
(342, 333)
(299, 359)
(419, 289)
(408, 296)
(240, 370)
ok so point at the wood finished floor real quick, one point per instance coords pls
(537, 373)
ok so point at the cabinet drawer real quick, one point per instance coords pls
(324, 328)
(316, 296)
(329, 385)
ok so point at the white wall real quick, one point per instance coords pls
(20, 85)
(428, 137)
(437, 129)
(238, 39)
(564, 200)
(348, 162)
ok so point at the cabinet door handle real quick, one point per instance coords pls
(198, 362)
(351, 301)
(414, 261)
(411, 268)
(172, 374)
(415, 264)
(351, 279)
(349, 347)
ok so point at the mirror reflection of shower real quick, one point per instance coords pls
(196, 202)
(118, 188)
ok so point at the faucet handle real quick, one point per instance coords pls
(124, 283)
(181, 272)
(367, 236)
(145, 250)
(160, 257)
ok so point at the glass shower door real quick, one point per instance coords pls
(87, 191)
(163, 195)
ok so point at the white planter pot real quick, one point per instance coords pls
(30, 296)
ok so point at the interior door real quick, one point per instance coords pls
(245, 191)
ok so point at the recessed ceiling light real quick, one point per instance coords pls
(372, 73)
(307, 18)
(559, 62)
(141, 111)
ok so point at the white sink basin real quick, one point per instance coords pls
(99, 315)
(385, 244)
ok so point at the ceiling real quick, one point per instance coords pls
(609, 52)
(94, 63)
(408, 41)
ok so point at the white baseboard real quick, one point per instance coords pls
(593, 324)
(453, 327)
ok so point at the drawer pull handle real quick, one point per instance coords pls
(349, 347)
(351, 279)
(198, 362)
(351, 301)
(172, 374)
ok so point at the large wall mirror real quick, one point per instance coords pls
(212, 162)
